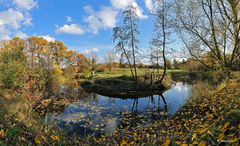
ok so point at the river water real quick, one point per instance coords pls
(97, 114)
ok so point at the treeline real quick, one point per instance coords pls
(35, 66)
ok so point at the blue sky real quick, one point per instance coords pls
(80, 24)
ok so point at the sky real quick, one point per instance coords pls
(80, 24)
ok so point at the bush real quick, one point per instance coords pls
(11, 75)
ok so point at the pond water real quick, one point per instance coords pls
(97, 114)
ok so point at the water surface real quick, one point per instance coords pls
(97, 114)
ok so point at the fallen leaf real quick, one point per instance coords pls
(194, 136)
(39, 139)
(123, 142)
(2, 133)
(195, 143)
(54, 137)
(221, 136)
(203, 143)
(234, 140)
(167, 142)
(225, 126)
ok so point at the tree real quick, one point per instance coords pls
(131, 32)
(92, 61)
(58, 50)
(120, 39)
(38, 49)
(13, 63)
(169, 64)
(109, 58)
(213, 26)
(161, 33)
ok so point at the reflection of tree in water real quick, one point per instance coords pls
(94, 98)
(153, 112)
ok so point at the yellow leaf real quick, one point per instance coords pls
(204, 135)
(134, 133)
(39, 139)
(195, 143)
(234, 140)
(238, 126)
(194, 136)
(167, 142)
(132, 142)
(203, 130)
(225, 126)
(2, 133)
(221, 136)
(123, 142)
(203, 143)
(54, 137)
(184, 144)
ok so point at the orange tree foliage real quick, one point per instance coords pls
(37, 61)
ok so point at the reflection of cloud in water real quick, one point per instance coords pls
(180, 87)
(102, 114)
(73, 117)
(82, 114)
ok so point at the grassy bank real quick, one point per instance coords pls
(126, 72)
(126, 87)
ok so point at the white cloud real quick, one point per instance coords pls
(69, 19)
(12, 18)
(48, 38)
(122, 4)
(15, 17)
(139, 11)
(108, 17)
(73, 29)
(89, 51)
(149, 4)
(3, 33)
(21, 35)
(105, 18)
(11, 21)
(25, 4)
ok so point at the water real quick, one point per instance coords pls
(97, 114)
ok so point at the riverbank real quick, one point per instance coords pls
(211, 119)
(208, 120)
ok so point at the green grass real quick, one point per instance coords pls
(121, 72)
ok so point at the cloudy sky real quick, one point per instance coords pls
(80, 24)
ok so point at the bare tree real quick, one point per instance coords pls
(215, 26)
(131, 32)
(161, 33)
(92, 61)
(119, 38)
(109, 58)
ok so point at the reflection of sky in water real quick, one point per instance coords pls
(101, 114)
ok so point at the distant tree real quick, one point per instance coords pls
(92, 61)
(169, 64)
(109, 58)
(176, 63)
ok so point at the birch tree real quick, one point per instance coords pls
(213, 27)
